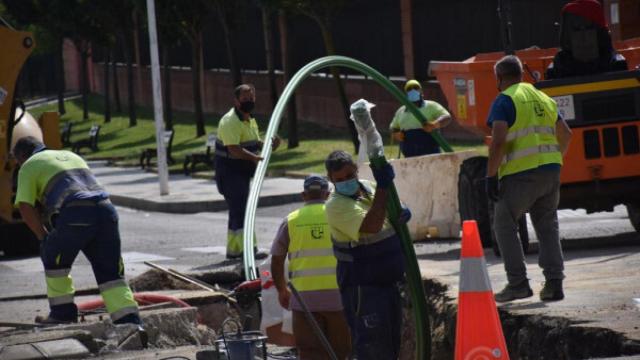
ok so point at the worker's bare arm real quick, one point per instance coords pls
(32, 218)
(496, 150)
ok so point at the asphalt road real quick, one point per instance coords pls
(184, 242)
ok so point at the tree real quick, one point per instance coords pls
(287, 65)
(227, 12)
(191, 17)
(168, 37)
(123, 12)
(322, 13)
(267, 8)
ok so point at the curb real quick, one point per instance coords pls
(192, 207)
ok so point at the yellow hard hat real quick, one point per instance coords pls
(413, 83)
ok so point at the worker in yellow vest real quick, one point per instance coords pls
(529, 139)
(305, 238)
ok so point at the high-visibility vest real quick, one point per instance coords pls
(312, 265)
(531, 140)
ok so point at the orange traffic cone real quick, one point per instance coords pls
(478, 330)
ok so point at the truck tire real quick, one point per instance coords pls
(472, 198)
(474, 204)
(18, 240)
(634, 215)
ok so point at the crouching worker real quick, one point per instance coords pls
(370, 260)
(304, 237)
(80, 217)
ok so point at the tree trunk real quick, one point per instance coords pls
(327, 37)
(60, 85)
(136, 52)
(236, 76)
(285, 49)
(168, 110)
(196, 49)
(107, 91)
(268, 49)
(116, 87)
(127, 47)
(84, 55)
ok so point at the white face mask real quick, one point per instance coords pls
(413, 95)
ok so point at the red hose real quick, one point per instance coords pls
(141, 298)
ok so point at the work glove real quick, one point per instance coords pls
(405, 215)
(492, 186)
(398, 136)
(384, 175)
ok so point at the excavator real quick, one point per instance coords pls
(601, 105)
(15, 122)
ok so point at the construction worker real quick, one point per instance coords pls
(585, 43)
(80, 217)
(370, 259)
(411, 133)
(304, 237)
(529, 139)
(236, 157)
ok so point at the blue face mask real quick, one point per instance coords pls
(413, 95)
(348, 187)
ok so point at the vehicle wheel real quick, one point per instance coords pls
(18, 240)
(472, 198)
(634, 215)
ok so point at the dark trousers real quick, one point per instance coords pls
(374, 315)
(90, 227)
(234, 184)
(418, 142)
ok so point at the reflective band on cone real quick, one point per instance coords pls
(478, 330)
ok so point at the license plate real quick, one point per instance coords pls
(565, 107)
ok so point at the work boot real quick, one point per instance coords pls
(552, 290)
(513, 292)
(48, 320)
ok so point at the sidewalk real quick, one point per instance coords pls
(135, 188)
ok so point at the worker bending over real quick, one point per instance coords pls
(529, 139)
(305, 238)
(411, 133)
(370, 259)
(80, 218)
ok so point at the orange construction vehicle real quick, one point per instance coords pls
(602, 166)
(16, 122)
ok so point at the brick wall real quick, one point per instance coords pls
(316, 99)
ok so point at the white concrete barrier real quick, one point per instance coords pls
(428, 185)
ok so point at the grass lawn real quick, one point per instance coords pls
(119, 141)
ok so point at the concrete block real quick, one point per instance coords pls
(56, 349)
(428, 185)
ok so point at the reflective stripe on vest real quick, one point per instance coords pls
(531, 140)
(312, 265)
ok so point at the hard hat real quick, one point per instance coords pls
(412, 84)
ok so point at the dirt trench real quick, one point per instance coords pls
(527, 336)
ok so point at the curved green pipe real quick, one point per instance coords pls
(414, 279)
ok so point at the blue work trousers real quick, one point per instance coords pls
(233, 178)
(90, 226)
(374, 315)
(418, 142)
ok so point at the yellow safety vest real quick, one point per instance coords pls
(312, 265)
(531, 140)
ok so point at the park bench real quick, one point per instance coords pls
(150, 153)
(91, 142)
(65, 133)
(207, 157)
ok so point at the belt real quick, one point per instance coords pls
(86, 203)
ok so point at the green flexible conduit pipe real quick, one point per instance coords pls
(414, 279)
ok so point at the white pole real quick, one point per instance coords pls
(163, 173)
